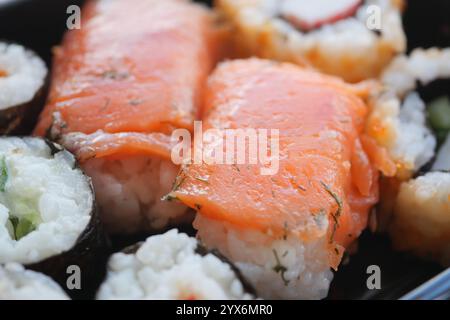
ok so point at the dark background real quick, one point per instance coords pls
(40, 24)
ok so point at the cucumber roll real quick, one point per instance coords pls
(171, 266)
(23, 78)
(17, 283)
(48, 220)
(411, 119)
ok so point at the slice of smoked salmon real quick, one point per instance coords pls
(134, 66)
(325, 184)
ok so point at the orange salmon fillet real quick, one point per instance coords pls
(324, 171)
(134, 66)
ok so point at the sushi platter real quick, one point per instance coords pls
(224, 150)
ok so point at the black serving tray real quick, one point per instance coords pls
(40, 24)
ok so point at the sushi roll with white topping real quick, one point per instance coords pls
(412, 121)
(171, 266)
(48, 220)
(23, 78)
(352, 39)
(17, 283)
(400, 125)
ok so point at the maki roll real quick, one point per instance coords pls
(22, 88)
(17, 283)
(120, 86)
(334, 36)
(411, 120)
(48, 220)
(285, 230)
(171, 266)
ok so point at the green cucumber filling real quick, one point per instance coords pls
(23, 214)
(3, 174)
(438, 114)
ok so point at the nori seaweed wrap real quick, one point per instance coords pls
(48, 218)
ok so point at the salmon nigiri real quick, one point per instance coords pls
(132, 73)
(288, 229)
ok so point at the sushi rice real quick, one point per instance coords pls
(442, 162)
(401, 128)
(167, 266)
(136, 185)
(280, 269)
(17, 283)
(422, 65)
